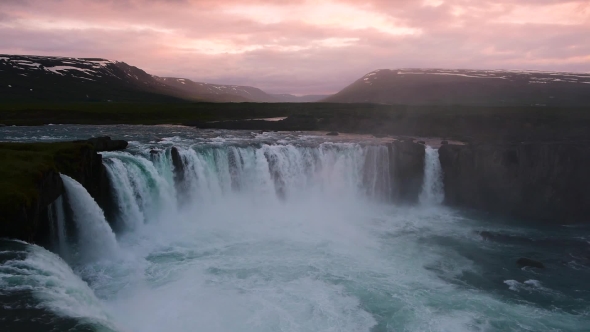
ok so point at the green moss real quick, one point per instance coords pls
(25, 164)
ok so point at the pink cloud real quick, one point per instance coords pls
(302, 46)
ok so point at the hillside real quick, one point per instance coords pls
(60, 79)
(216, 92)
(40, 78)
(468, 87)
(232, 93)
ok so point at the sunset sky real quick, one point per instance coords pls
(302, 47)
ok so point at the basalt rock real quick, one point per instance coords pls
(178, 165)
(406, 162)
(28, 222)
(527, 262)
(539, 181)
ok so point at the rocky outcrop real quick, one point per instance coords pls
(178, 165)
(539, 181)
(406, 162)
(527, 262)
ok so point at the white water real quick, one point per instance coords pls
(95, 238)
(433, 188)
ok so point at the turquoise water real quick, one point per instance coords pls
(284, 232)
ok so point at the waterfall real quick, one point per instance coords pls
(144, 183)
(95, 237)
(57, 220)
(432, 188)
(126, 194)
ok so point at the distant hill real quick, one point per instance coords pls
(42, 78)
(233, 93)
(216, 92)
(468, 87)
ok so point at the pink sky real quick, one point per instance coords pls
(302, 47)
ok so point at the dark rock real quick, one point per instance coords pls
(444, 142)
(154, 151)
(530, 263)
(332, 133)
(106, 144)
(537, 181)
(406, 162)
(178, 166)
(2, 125)
(29, 222)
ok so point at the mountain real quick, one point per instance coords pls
(46, 79)
(233, 93)
(468, 87)
(216, 92)
(41, 78)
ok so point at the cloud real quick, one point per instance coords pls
(302, 46)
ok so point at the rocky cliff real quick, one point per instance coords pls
(406, 162)
(539, 181)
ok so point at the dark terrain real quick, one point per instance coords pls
(468, 87)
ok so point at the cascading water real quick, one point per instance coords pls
(29, 271)
(243, 231)
(268, 172)
(432, 188)
(95, 238)
(57, 219)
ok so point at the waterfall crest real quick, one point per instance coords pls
(95, 237)
(144, 184)
(432, 188)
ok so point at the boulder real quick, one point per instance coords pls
(332, 133)
(527, 262)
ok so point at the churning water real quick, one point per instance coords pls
(280, 232)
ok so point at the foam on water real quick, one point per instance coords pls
(56, 287)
